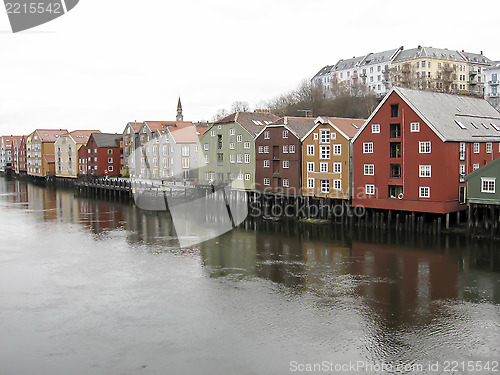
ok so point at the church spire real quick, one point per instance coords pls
(179, 117)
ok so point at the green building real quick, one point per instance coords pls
(482, 184)
(228, 147)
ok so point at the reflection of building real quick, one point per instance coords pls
(417, 146)
(67, 155)
(278, 154)
(229, 149)
(327, 157)
(40, 151)
(43, 202)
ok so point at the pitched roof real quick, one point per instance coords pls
(184, 133)
(380, 57)
(349, 63)
(81, 136)
(455, 118)
(50, 158)
(107, 139)
(324, 70)
(486, 167)
(477, 58)
(437, 53)
(299, 125)
(348, 126)
(9, 140)
(136, 126)
(50, 135)
(161, 125)
(253, 122)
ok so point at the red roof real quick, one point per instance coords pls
(348, 126)
(50, 135)
(136, 126)
(9, 140)
(184, 133)
(81, 136)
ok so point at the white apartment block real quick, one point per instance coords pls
(491, 83)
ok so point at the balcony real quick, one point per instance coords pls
(473, 71)
(493, 83)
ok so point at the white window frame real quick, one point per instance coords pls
(486, 185)
(337, 149)
(323, 167)
(337, 185)
(286, 163)
(310, 150)
(285, 149)
(232, 145)
(239, 138)
(324, 152)
(475, 166)
(246, 145)
(424, 170)
(477, 147)
(267, 163)
(424, 192)
(261, 149)
(267, 134)
(337, 167)
(310, 166)
(367, 147)
(324, 136)
(415, 127)
(325, 186)
(247, 176)
(369, 189)
(205, 147)
(369, 169)
(310, 183)
(267, 181)
(286, 182)
(239, 158)
(291, 149)
(285, 134)
(375, 128)
(422, 147)
(232, 131)
(489, 147)
(247, 158)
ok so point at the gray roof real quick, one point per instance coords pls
(299, 125)
(107, 139)
(437, 53)
(453, 116)
(349, 63)
(476, 58)
(379, 57)
(325, 70)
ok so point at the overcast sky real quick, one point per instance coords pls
(109, 62)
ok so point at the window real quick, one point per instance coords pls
(247, 176)
(325, 186)
(291, 149)
(285, 133)
(219, 126)
(310, 150)
(337, 149)
(337, 167)
(267, 163)
(394, 110)
(185, 150)
(488, 185)
(424, 171)
(246, 145)
(267, 181)
(231, 145)
(110, 151)
(315, 136)
(337, 184)
(266, 149)
(285, 149)
(370, 189)
(239, 158)
(462, 151)
(375, 128)
(369, 169)
(185, 163)
(395, 170)
(267, 134)
(247, 158)
(476, 148)
(286, 164)
(261, 149)
(424, 192)
(324, 136)
(324, 152)
(231, 131)
(310, 166)
(205, 147)
(475, 166)
(489, 148)
(310, 183)
(368, 148)
(424, 147)
(212, 133)
(239, 138)
(395, 131)
(462, 169)
(323, 167)
(415, 127)
(286, 183)
(110, 168)
(395, 149)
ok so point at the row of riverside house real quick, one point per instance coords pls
(412, 154)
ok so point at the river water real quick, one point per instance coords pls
(96, 287)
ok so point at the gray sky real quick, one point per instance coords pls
(109, 62)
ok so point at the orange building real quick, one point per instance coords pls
(40, 152)
(327, 157)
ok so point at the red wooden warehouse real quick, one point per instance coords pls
(102, 154)
(416, 147)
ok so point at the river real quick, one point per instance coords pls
(90, 286)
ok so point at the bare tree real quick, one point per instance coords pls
(239, 106)
(220, 114)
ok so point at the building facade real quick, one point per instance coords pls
(491, 82)
(103, 154)
(66, 152)
(278, 155)
(414, 151)
(19, 156)
(130, 144)
(326, 157)
(228, 148)
(482, 185)
(40, 152)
